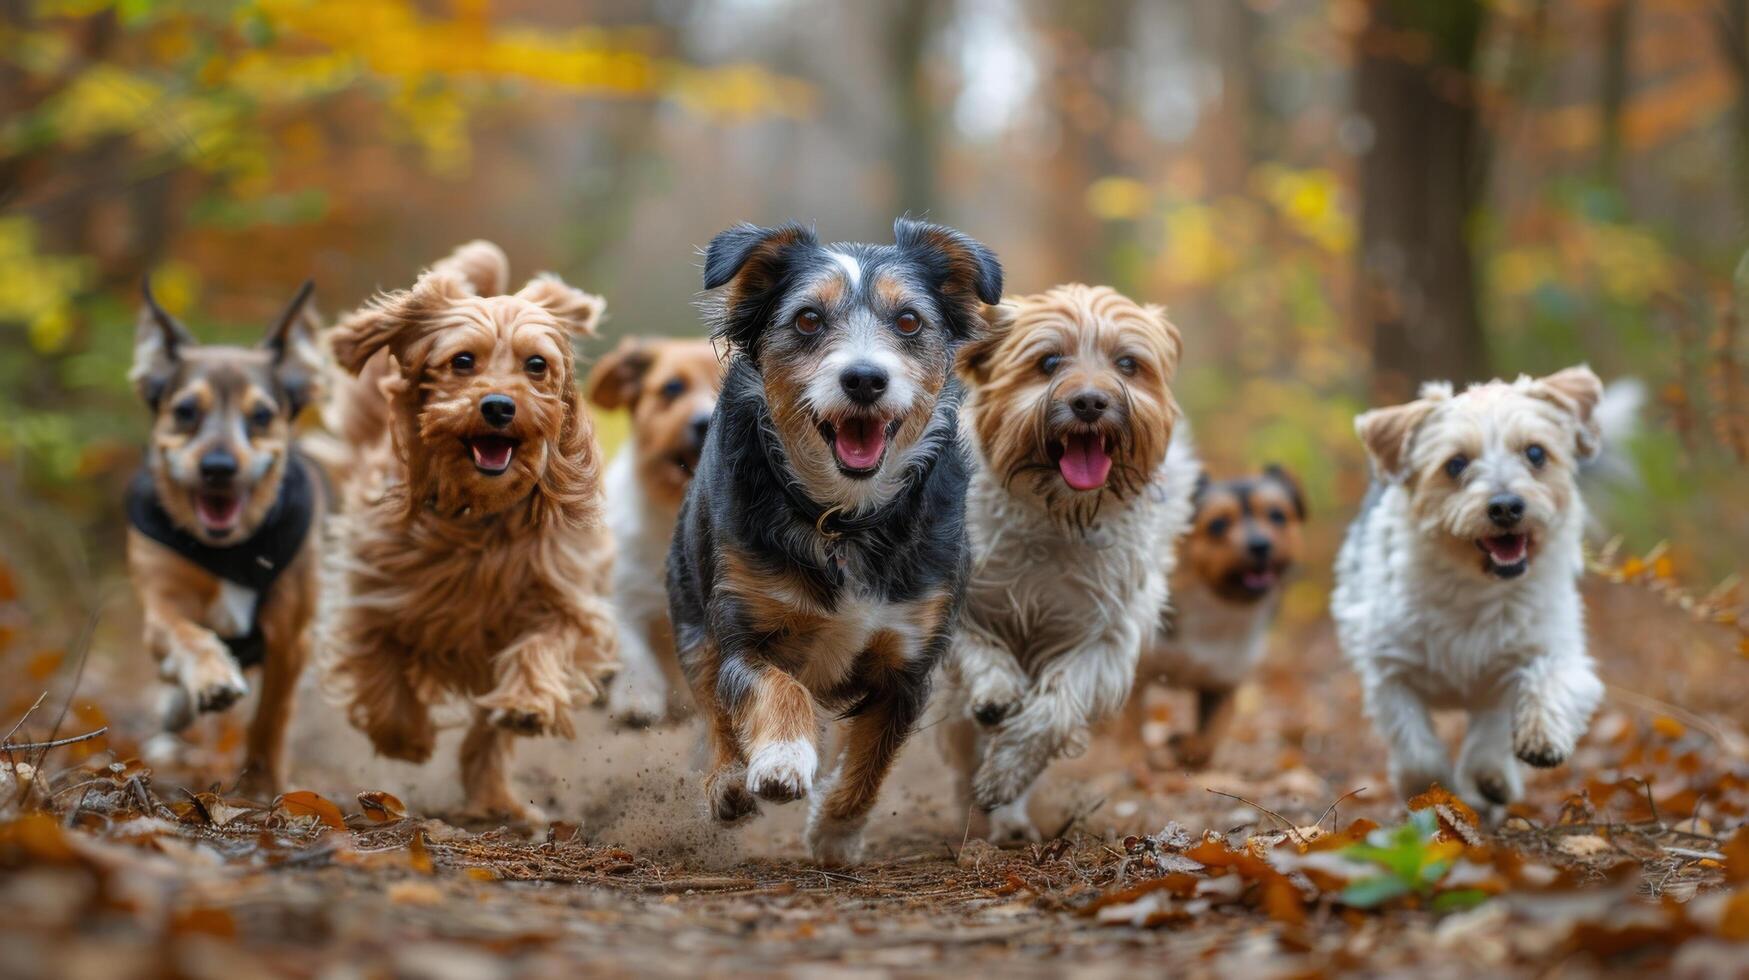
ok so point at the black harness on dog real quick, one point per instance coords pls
(254, 563)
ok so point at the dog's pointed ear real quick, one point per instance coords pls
(577, 311)
(297, 359)
(973, 359)
(615, 380)
(1287, 481)
(481, 264)
(159, 340)
(753, 262)
(1388, 434)
(956, 264)
(391, 319)
(1576, 390)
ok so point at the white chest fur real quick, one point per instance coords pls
(232, 612)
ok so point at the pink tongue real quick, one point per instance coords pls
(858, 443)
(1084, 464)
(1506, 549)
(218, 512)
(491, 454)
(1259, 580)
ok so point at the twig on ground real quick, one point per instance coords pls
(25, 717)
(1334, 804)
(1293, 831)
(53, 743)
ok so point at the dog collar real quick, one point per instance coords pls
(255, 562)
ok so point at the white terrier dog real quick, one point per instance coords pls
(1081, 489)
(1457, 584)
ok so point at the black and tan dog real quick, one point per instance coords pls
(1231, 565)
(221, 547)
(820, 553)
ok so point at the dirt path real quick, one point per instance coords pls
(634, 878)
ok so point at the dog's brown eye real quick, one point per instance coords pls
(808, 322)
(1219, 527)
(462, 362)
(672, 388)
(1126, 364)
(1537, 456)
(1455, 466)
(185, 412)
(1048, 364)
(261, 417)
(1277, 516)
(536, 365)
(908, 323)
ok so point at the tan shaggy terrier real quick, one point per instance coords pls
(222, 542)
(473, 558)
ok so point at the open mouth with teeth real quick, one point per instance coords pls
(492, 454)
(859, 443)
(218, 511)
(1505, 555)
(1083, 458)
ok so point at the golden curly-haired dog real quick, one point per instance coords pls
(473, 558)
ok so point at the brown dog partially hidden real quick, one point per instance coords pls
(222, 543)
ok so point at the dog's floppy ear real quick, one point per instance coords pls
(297, 360)
(158, 343)
(954, 263)
(1576, 390)
(756, 261)
(1287, 481)
(973, 359)
(482, 264)
(616, 378)
(577, 311)
(1389, 432)
(392, 319)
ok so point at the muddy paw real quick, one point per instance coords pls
(994, 698)
(633, 705)
(730, 803)
(780, 772)
(1539, 754)
(835, 844)
(505, 811)
(1011, 824)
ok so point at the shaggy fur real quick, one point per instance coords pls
(1071, 387)
(820, 554)
(241, 405)
(670, 388)
(473, 560)
(1244, 539)
(1457, 584)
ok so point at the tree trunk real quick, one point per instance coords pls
(1420, 183)
(1612, 96)
(915, 134)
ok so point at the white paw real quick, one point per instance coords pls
(635, 703)
(782, 771)
(1010, 823)
(834, 843)
(213, 683)
(1491, 784)
(1541, 737)
(994, 695)
(1414, 771)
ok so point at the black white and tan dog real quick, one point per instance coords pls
(221, 546)
(820, 553)
(1226, 591)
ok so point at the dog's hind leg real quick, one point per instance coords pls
(843, 800)
(485, 765)
(1418, 757)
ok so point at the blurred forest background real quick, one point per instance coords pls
(1335, 198)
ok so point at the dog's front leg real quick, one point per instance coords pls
(1418, 757)
(485, 765)
(535, 684)
(991, 678)
(1072, 691)
(775, 720)
(1486, 772)
(871, 742)
(194, 659)
(1555, 696)
(638, 694)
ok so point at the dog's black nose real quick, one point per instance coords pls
(865, 383)
(1505, 509)
(1258, 547)
(700, 426)
(497, 410)
(218, 466)
(1089, 405)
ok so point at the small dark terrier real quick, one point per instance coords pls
(220, 547)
